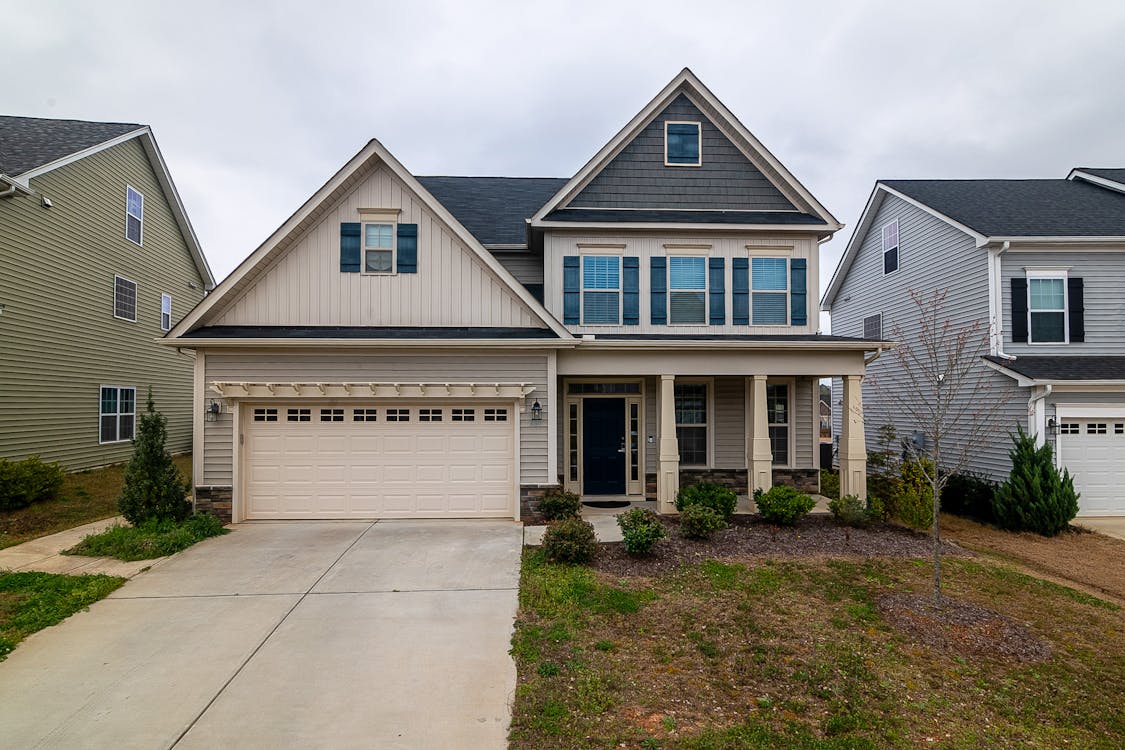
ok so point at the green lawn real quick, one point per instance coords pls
(33, 601)
(149, 540)
(86, 496)
(798, 654)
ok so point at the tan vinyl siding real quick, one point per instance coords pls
(282, 367)
(805, 432)
(729, 423)
(59, 340)
(304, 286)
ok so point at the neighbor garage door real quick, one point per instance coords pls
(1094, 452)
(374, 460)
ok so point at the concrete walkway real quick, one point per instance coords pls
(292, 634)
(1113, 526)
(44, 554)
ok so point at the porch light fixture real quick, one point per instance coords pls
(1052, 426)
(536, 411)
(213, 409)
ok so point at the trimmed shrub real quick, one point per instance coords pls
(700, 522)
(715, 496)
(153, 488)
(849, 510)
(558, 504)
(1036, 496)
(970, 496)
(641, 529)
(912, 498)
(570, 540)
(29, 481)
(829, 483)
(784, 505)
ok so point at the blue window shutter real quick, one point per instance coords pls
(631, 291)
(407, 248)
(740, 291)
(1019, 309)
(349, 247)
(571, 290)
(798, 292)
(658, 284)
(717, 291)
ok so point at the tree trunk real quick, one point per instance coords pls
(936, 539)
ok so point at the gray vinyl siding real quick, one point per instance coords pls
(1103, 279)
(805, 436)
(285, 367)
(729, 423)
(638, 178)
(525, 266)
(59, 340)
(932, 256)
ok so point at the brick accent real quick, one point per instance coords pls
(733, 478)
(214, 500)
(529, 502)
(806, 480)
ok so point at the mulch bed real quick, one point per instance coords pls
(748, 536)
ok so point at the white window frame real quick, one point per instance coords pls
(140, 241)
(363, 248)
(788, 287)
(706, 288)
(897, 246)
(166, 302)
(136, 298)
(1049, 274)
(790, 385)
(699, 131)
(620, 285)
(708, 425)
(118, 414)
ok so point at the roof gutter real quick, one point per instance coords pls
(14, 186)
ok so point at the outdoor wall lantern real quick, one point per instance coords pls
(213, 409)
(1052, 426)
(536, 411)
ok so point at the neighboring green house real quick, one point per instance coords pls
(97, 261)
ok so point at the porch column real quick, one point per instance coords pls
(853, 447)
(668, 471)
(759, 457)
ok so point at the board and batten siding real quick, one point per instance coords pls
(932, 256)
(527, 267)
(558, 245)
(304, 285)
(59, 340)
(1103, 279)
(362, 367)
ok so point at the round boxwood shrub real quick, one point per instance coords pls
(700, 522)
(715, 496)
(784, 505)
(558, 504)
(570, 540)
(28, 481)
(641, 529)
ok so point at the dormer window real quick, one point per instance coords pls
(378, 248)
(682, 144)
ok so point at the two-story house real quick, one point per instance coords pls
(1040, 265)
(97, 261)
(449, 346)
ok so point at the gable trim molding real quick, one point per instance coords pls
(1105, 182)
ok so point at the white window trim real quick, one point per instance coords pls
(698, 125)
(897, 247)
(1049, 273)
(369, 219)
(136, 302)
(706, 287)
(788, 285)
(118, 413)
(791, 406)
(140, 218)
(164, 297)
(709, 425)
(594, 251)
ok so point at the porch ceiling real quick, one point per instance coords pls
(696, 362)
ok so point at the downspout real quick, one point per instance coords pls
(1034, 405)
(11, 188)
(996, 300)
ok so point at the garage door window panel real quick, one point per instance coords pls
(265, 415)
(464, 415)
(298, 415)
(398, 415)
(364, 415)
(331, 415)
(429, 415)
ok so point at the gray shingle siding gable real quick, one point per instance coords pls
(637, 177)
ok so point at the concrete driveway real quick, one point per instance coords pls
(293, 634)
(1113, 526)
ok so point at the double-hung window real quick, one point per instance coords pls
(166, 312)
(1046, 308)
(124, 299)
(770, 291)
(134, 215)
(601, 289)
(682, 144)
(378, 248)
(687, 290)
(691, 423)
(890, 247)
(118, 414)
(777, 408)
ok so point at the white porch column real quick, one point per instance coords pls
(759, 457)
(668, 471)
(853, 446)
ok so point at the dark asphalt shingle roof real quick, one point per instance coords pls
(674, 216)
(1065, 367)
(30, 142)
(494, 209)
(1023, 208)
(1117, 175)
(367, 332)
(803, 337)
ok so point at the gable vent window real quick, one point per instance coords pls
(134, 215)
(769, 286)
(601, 289)
(378, 248)
(124, 299)
(890, 247)
(681, 144)
(873, 327)
(687, 290)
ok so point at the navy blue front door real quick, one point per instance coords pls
(603, 446)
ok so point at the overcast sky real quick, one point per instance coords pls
(255, 105)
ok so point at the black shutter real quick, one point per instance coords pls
(1019, 310)
(1077, 309)
(349, 247)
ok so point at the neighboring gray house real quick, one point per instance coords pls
(97, 261)
(451, 346)
(1040, 264)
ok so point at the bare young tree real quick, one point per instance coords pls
(940, 387)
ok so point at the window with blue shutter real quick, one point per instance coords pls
(350, 241)
(601, 289)
(740, 291)
(407, 260)
(571, 289)
(717, 273)
(631, 291)
(769, 286)
(687, 290)
(658, 290)
(798, 292)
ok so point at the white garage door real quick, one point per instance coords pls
(1094, 452)
(373, 460)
